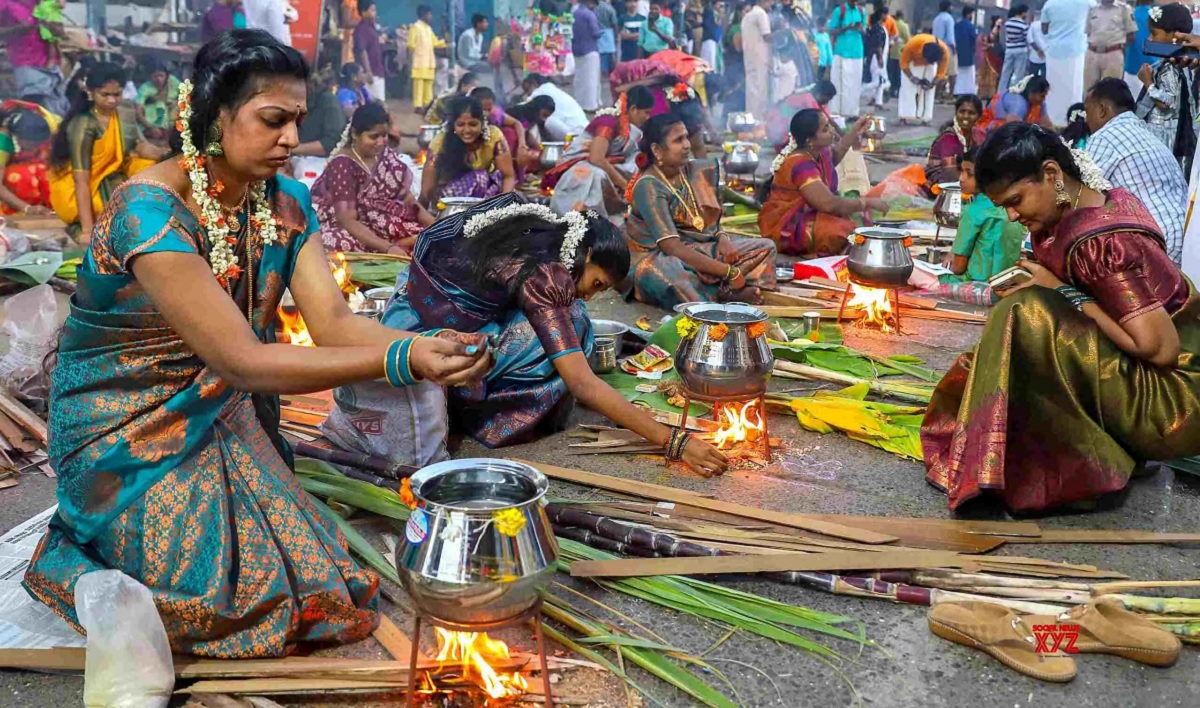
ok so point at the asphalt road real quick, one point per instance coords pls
(907, 666)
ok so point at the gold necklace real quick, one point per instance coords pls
(249, 273)
(361, 161)
(697, 220)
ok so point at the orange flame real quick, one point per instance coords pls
(422, 157)
(337, 264)
(294, 329)
(876, 305)
(472, 651)
(744, 424)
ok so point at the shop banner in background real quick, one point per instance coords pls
(306, 30)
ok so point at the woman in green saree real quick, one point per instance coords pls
(1087, 369)
(164, 403)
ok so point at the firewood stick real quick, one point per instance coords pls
(24, 417)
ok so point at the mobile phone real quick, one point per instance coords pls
(1166, 49)
(1010, 278)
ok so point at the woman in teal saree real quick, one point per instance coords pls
(163, 424)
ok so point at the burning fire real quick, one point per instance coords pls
(876, 306)
(739, 423)
(422, 157)
(472, 651)
(294, 329)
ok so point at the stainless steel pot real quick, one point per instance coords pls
(876, 128)
(457, 562)
(376, 301)
(454, 205)
(735, 366)
(881, 260)
(947, 208)
(741, 123)
(741, 158)
(426, 135)
(603, 359)
(610, 330)
(551, 154)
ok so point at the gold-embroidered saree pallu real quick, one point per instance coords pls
(171, 476)
(1047, 411)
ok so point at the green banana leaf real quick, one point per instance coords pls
(33, 268)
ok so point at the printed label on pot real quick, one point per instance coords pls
(417, 527)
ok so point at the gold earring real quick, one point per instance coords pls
(213, 146)
(1061, 198)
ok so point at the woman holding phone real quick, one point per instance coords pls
(1085, 370)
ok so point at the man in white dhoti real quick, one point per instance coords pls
(923, 65)
(756, 53)
(846, 26)
(585, 48)
(966, 35)
(1064, 23)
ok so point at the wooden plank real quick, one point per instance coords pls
(24, 417)
(990, 528)
(301, 416)
(276, 686)
(710, 565)
(679, 496)
(16, 436)
(394, 640)
(59, 659)
(775, 298)
(1108, 536)
(793, 312)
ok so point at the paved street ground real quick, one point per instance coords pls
(908, 666)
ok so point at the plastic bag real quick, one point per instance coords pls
(129, 661)
(31, 323)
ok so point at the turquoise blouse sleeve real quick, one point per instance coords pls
(150, 223)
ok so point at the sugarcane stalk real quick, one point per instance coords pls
(634, 536)
(1160, 605)
(360, 460)
(792, 370)
(1111, 588)
(595, 540)
(952, 579)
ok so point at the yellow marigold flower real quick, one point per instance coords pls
(686, 327)
(509, 522)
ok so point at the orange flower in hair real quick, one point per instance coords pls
(623, 115)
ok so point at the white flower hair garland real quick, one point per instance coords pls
(783, 154)
(344, 140)
(1089, 172)
(576, 225)
(1156, 14)
(1019, 86)
(212, 217)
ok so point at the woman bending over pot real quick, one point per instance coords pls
(518, 273)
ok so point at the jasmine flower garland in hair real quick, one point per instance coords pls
(576, 225)
(212, 219)
(783, 154)
(344, 140)
(1089, 172)
(1156, 14)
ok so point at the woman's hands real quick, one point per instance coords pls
(1041, 276)
(879, 205)
(703, 457)
(451, 358)
(726, 251)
